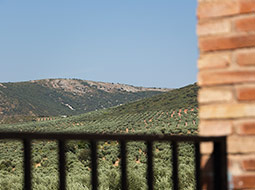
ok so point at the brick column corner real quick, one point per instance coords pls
(226, 37)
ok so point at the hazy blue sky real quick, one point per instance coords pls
(138, 42)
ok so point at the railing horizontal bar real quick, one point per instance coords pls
(27, 164)
(98, 137)
(62, 165)
(123, 153)
(220, 153)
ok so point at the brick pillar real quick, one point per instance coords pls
(226, 33)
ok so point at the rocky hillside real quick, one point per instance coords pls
(54, 97)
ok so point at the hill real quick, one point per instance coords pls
(55, 97)
(185, 97)
(160, 109)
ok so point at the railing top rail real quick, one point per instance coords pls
(99, 137)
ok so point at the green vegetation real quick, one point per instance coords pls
(185, 97)
(173, 112)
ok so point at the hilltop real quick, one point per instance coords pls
(55, 97)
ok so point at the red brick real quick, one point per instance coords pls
(213, 28)
(246, 128)
(246, 94)
(246, 58)
(248, 165)
(226, 43)
(244, 181)
(213, 95)
(216, 9)
(234, 164)
(216, 61)
(245, 24)
(225, 77)
(227, 111)
(246, 6)
(224, 8)
(241, 144)
(215, 128)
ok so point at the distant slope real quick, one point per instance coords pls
(185, 97)
(164, 112)
(54, 97)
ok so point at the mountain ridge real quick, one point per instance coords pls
(54, 97)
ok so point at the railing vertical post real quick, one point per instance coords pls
(94, 178)
(149, 165)
(62, 165)
(175, 165)
(220, 165)
(27, 164)
(123, 152)
(197, 166)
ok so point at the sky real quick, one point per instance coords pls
(148, 43)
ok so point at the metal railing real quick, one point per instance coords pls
(218, 156)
